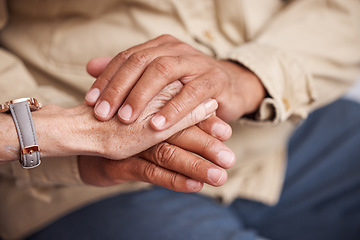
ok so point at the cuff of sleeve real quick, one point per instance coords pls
(290, 87)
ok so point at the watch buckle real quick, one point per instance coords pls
(30, 149)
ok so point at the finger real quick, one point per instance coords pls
(134, 72)
(216, 128)
(103, 76)
(200, 113)
(97, 65)
(186, 163)
(117, 91)
(121, 83)
(159, 73)
(91, 171)
(195, 140)
(191, 95)
(139, 169)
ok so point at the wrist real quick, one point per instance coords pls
(247, 87)
(10, 148)
(66, 132)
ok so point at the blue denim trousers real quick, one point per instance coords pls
(320, 198)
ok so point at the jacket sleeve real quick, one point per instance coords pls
(306, 56)
(15, 82)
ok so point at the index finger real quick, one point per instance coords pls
(190, 96)
(106, 73)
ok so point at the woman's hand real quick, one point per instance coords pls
(115, 140)
(135, 76)
(167, 165)
(75, 131)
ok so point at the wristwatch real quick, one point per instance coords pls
(20, 110)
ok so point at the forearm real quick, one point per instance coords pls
(60, 132)
(75, 131)
(10, 147)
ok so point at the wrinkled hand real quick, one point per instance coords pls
(168, 165)
(119, 141)
(135, 76)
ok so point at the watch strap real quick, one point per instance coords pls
(30, 152)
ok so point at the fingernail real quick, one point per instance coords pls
(92, 95)
(215, 175)
(211, 104)
(209, 115)
(158, 121)
(226, 158)
(221, 131)
(125, 112)
(102, 109)
(192, 184)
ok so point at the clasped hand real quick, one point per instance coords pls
(129, 83)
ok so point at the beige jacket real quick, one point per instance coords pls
(306, 52)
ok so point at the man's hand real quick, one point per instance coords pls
(135, 76)
(168, 165)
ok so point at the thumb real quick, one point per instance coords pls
(96, 65)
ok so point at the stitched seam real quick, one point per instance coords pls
(19, 130)
(31, 124)
(27, 109)
(32, 129)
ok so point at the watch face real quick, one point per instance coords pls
(33, 104)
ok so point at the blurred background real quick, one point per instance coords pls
(354, 93)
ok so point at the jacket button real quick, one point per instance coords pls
(286, 104)
(208, 35)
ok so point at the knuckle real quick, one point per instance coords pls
(173, 181)
(177, 108)
(201, 88)
(167, 37)
(150, 172)
(137, 97)
(113, 91)
(104, 79)
(196, 166)
(192, 95)
(194, 92)
(164, 153)
(163, 66)
(208, 143)
(138, 59)
(123, 56)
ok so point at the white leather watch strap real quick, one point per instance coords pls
(30, 152)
